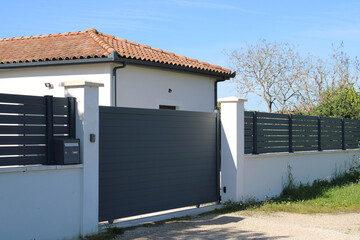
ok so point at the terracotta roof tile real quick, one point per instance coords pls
(90, 44)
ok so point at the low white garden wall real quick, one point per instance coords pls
(262, 176)
(265, 175)
(40, 202)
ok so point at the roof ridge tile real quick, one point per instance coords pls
(94, 35)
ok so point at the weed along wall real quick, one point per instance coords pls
(262, 176)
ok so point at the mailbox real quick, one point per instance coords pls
(66, 151)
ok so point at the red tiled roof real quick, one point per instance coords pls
(90, 44)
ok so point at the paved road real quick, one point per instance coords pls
(255, 225)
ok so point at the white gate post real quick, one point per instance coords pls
(87, 123)
(232, 148)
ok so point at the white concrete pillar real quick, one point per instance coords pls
(87, 122)
(232, 148)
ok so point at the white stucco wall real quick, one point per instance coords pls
(140, 87)
(147, 87)
(266, 174)
(40, 202)
(31, 81)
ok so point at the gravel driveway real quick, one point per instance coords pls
(255, 225)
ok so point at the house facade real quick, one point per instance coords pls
(133, 75)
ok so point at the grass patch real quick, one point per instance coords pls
(341, 194)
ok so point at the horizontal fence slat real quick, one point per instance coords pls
(330, 140)
(305, 148)
(22, 119)
(61, 130)
(27, 160)
(273, 144)
(273, 133)
(22, 109)
(275, 121)
(303, 117)
(22, 129)
(248, 114)
(272, 138)
(330, 119)
(4, 140)
(60, 120)
(352, 129)
(309, 138)
(305, 134)
(272, 115)
(270, 150)
(352, 140)
(60, 101)
(248, 127)
(331, 128)
(305, 141)
(330, 147)
(11, 98)
(352, 120)
(248, 132)
(304, 124)
(248, 138)
(263, 127)
(60, 111)
(20, 150)
(304, 128)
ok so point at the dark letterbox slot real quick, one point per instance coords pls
(66, 151)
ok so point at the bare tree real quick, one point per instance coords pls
(345, 71)
(261, 69)
(287, 86)
(288, 81)
(318, 76)
(312, 82)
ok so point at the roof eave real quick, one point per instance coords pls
(218, 75)
(114, 59)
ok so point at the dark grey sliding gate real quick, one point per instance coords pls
(153, 160)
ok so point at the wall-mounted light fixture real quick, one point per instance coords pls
(49, 85)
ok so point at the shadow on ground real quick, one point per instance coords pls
(212, 227)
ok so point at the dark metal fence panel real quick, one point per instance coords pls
(248, 132)
(331, 135)
(273, 132)
(28, 125)
(305, 133)
(270, 132)
(153, 160)
(352, 133)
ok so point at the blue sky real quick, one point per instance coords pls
(197, 29)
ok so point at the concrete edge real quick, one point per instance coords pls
(31, 168)
(80, 83)
(161, 217)
(282, 154)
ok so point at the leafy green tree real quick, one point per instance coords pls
(343, 102)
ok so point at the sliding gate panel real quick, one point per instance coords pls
(154, 160)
